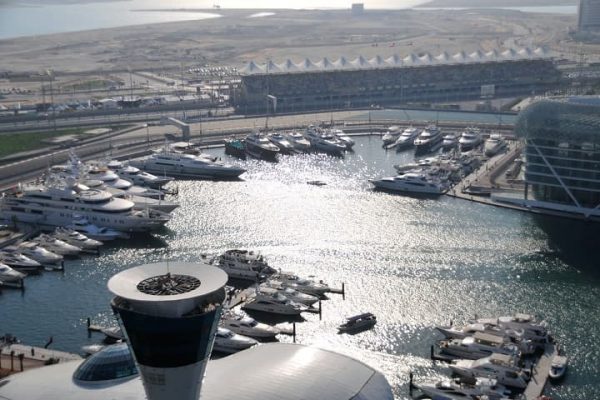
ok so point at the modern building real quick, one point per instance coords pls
(416, 78)
(169, 313)
(562, 158)
(589, 15)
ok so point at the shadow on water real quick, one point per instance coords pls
(575, 242)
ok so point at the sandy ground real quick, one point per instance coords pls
(234, 39)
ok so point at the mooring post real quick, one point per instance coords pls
(12, 354)
(294, 332)
(21, 356)
(320, 311)
(343, 291)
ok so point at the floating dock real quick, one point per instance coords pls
(541, 371)
(18, 357)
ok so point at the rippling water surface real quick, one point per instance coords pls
(415, 263)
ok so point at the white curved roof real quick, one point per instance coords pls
(273, 371)
(396, 60)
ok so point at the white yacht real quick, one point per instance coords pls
(35, 252)
(189, 148)
(324, 140)
(9, 275)
(429, 140)
(140, 202)
(244, 264)
(449, 141)
(56, 245)
(406, 138)
(483, 388)
(18, 261)
(494, 144)
(108, 177)
(528, 325)
(478, 346)
(187, 166)
(299, 142)
(470, 139)
(358, 323)
(281, 141)
(292, 294)
(248, 326)
(391, 135)
(58, 201)
(274, 304)
(228, 342)
(259, 146)
(303, 285)
(411, 182)
(503, 368)
(81, 224)
(525, 345)
(137, 176)
(75, 238)
(345, 139)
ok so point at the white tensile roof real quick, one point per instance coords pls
(342, 63)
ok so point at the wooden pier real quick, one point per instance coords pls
(18, 357)
(540, 373)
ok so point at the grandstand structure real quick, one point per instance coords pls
(422, 78)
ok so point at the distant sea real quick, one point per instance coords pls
(35, 17)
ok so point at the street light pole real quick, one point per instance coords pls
(50, 75)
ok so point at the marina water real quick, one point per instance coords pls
(415, 263)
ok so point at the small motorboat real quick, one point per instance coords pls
(358, 323)
(235, 147)
(316, 183)
(558, 367)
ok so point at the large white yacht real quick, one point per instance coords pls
(244, 265)
(528, 325)
(470, 139)
(186, 166)
(56, 245)
(478, 346)
(391, 135)
(81, 224)
(58, 201)
(137, 176)
(411, 182)
(248, 326)
(281, 141)
(274, 304)
(259, 146)
(482, 388)
(526, 346)
(292, 294)
(299, 142)
(18, 261)
(35, 252)
(9, 275)
(324, 140)
(303, 285)
(345, 139)
(449, 141)
(494, 144)
(406, 138)
(75, 238)
(503, 368)
(228, 342)
(429, 140)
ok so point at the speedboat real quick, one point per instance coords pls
(469, 139)
(345, 139)
(36, 253)
(75, 238)
(503, 368)
(449, 141)
(324, 141)
(279, 140)
(299, 142)
(274, 304)
(56, 245)
(236, 147)
(406, 138)
(244, 264)
(479, 345)
(137, 176)
(429, 140)
(228, 342)
(493, 145)
(300, 284)
(358, 323)
(558, 367)
(248, 326)
(18, 261)
(290, 293)
(259, 146)
(9, 275)
(411, 182)
(81, 224)
(482, 388)
(391, 135)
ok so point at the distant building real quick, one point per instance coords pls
(562, 167)
(589, 15)
(358, 8)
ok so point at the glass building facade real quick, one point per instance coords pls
(562, 152)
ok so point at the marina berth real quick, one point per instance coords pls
(59, 201)
(247, 326)
(501, 367)
(260, 147)
(229, 342)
